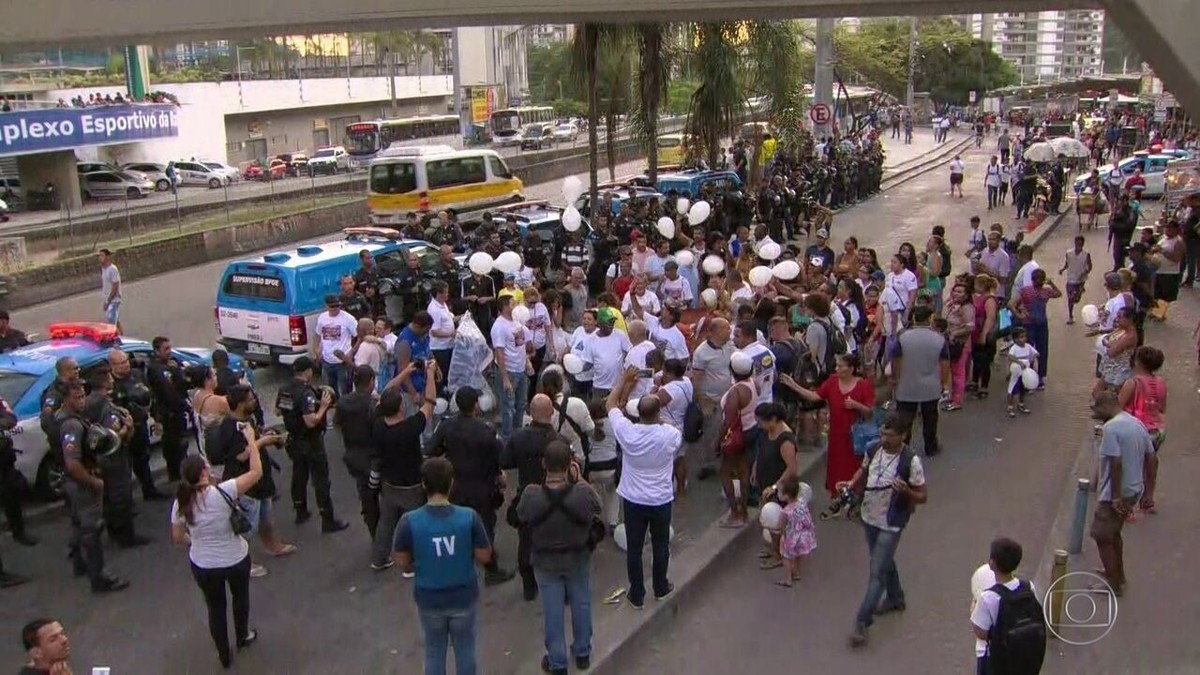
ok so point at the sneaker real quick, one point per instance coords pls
(497, 576)
(381, 567)
(408, 574)
(257, 571)
(553, 671)
(858, 638)
(664, 596)
(635, 604)
(583, 662)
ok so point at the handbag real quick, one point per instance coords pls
(1004, 322)
(863, 434)
(239, 520)
(733, 441)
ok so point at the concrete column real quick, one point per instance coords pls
(1164, 33)
(57, 168)
(823, 77)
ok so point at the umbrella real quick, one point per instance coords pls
(1070, 147)
(1040, 152)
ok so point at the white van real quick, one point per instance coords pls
(423, 178)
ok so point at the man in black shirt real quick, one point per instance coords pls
(366, 282)
(131, 393)
(166, 379)
(524, 453)
(479, 290)
(821, 252)
(473, 449)
(352, 301)
(447, 270)
(10, 338)
(354, 415)
(115, 468)
(396, 460)
(12, 483)
(303, 410)
(511, 236)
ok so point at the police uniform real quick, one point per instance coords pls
(368, 280)
(52, 400)
(166, 380)
(410, 288)
(306, 448)
(86, 504)
(115, 471)
(12, 483)
(131, 393)
(449, 273)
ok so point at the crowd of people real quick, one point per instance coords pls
(643, 359)
(11, 102)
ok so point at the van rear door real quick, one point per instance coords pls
(252, 307)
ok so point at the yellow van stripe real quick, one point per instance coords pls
(459, 195)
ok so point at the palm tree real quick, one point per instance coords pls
(657, 46)
(602, 57)
(720, 98)
(585, 57)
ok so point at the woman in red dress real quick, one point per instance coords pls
(850, 398)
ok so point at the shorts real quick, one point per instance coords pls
(112, 312)
(956, 179)
(1158, 437)
(1106, 523)
(1074, 293)
(257, 510)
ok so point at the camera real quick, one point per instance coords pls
(418, 364)
(846, 503)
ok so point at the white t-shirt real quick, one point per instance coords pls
(892, 312)
(369, 354)
(109, 277)
(987, 608)
(1024, 276)
(1112, 307)
(510, 337)
(525, 277)
(337, 333)
(743, 294)
(681, 393)
(1023, 353)
(537, 325)
(905, 283)
(443, 320)
(578, 342)
(577, 412)
(636, 358)
(670, 340)
(607, 356)
(993, 178)
(213, 544)
(882, 469)
(647, 459)
(764, 370)
(648, 301)
(956, 166)
(675, 292)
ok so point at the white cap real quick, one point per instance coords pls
(741, 363)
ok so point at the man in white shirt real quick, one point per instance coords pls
(666, 334)
(336, 331)
(1004, 558)
(1024, 275)
(646, 299)
(674, 290)
(646, 488)
(511, 344)
(441, 334)
(605, 354)
(957, 169)
(637, 358)
(992, 180)
(110, 288)
(745, 338)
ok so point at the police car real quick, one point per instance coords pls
(541, 219)
(26, 374)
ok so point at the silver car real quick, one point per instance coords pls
(102, 184)
(156, 173)
(221, 167)
(199, 173)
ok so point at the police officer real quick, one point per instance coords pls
(84, 490)
(303, 410)
(167, 382)
(66, 371)
(410, 288)
(115, 470)
(131, 393)
(12, 483)
(353, 301)
(366, 281)
(448, 271)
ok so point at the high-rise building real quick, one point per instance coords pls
(1045, 46)
(545, 34)
(495, 55)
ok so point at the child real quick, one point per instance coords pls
(1023, 353)
(799, 536)
(1145, 397)
(1077, 263)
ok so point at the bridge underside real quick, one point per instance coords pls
(1163, 30)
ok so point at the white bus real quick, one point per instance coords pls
(507, 123)
(365, 140)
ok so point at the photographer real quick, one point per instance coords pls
(892, 482)
(559, 514)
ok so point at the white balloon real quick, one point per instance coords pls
(508, 262)
(487, 400)
(770, 251)
(709, 296)
(685, 258)
(453, 404)
(572, 189)
(713, 265)
(787, 270)
(771, 516)
(571, 219)
(681, 206)
(1091, 315)
(760, 276)
(1015, 369)
(481, 263)
(887, 370)
(666, 227)
(806, 493)
(619, 537)
(441, 406)
(1029, 379)
(521, 314)
(699, 212)
(573, 364)
(631, 408)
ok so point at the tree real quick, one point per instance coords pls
(601, 60)
(719, 99)
(655, 41)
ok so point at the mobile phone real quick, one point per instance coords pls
(645, 372)
(418, 364)
(101, 670)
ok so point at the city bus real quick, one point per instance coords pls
(506, 124)
(365, 140)
(426, 178)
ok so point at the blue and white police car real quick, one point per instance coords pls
(26, 374)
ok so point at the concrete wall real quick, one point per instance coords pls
(51, 167)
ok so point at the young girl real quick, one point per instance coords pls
(1023, 353)
(799, 535)
(1145, 397)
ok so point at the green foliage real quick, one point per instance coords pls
(721, 97)
(551, 76)
(115, 65)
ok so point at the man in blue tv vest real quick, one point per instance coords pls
(443, 542)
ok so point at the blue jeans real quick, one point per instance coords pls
(512, 406)
(657, 520)
(884, 577)
(336, 375)
(1190, 260)
(1039, 337)
(443, 626)
(572, 588)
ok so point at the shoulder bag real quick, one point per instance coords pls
(239, 520)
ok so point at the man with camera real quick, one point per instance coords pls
(354, 415)
(303, 410)
(892, 483)
(169, 385)
(84, 490)
(100, 411)
(131, 393)
(559, 515)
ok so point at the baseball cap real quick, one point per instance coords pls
(302, 364)
(741, 363)
(823, 233)
(606, 315)
(878, 275)
(332, 300)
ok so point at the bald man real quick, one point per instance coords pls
(524, 452)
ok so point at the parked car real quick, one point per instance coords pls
(223, 168)
(566, 132)
(297, 163)
(153, 171)
(537, 136)
(1154, 171)
(92, 167)
(198, 173)
(101, 184)
(10, 186)
(329, 161)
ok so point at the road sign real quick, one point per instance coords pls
(820, 113)
(971, 96)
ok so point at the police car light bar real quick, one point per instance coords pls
(521, 206)
(360, 233)
(102, 333)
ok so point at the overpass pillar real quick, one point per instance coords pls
(55, 168)
(1164, 32)
(823, 77)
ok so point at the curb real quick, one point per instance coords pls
(618, 633)
(922, 165)
(1060, 529)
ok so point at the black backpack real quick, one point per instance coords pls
(693, 422)
(557, 499)
(1017, 639)
(944, 251)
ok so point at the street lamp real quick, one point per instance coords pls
(238, 56)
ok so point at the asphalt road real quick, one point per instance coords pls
(323, 610)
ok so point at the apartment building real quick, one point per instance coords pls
(1045, 46)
